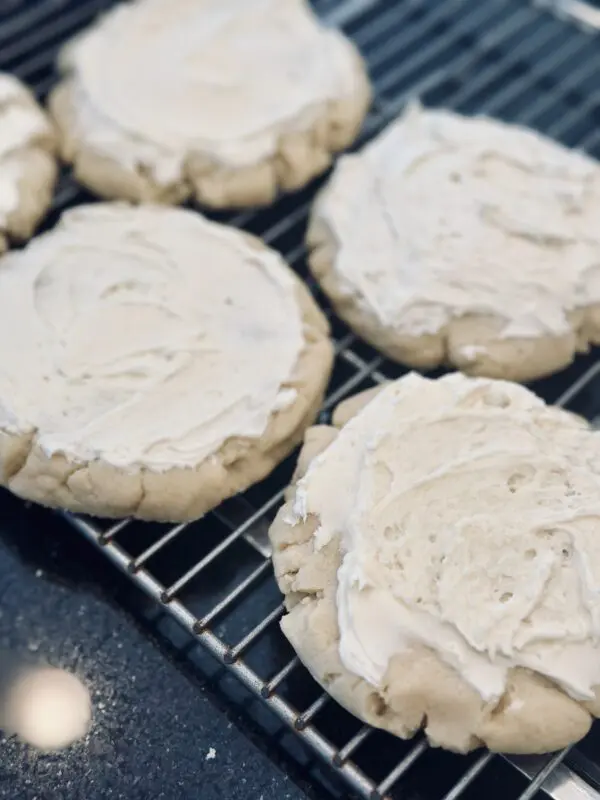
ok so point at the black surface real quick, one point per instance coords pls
(153, 727)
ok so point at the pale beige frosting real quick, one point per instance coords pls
(22, 123)
(144, 337)
(469, 513)
(157, 80)
(443, 216)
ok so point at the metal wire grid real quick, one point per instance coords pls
(501, 57)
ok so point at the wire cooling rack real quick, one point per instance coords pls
(535, 63)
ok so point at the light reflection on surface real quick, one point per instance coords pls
(47, 708)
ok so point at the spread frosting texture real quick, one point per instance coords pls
(444, 216)
(157, 80)
(468, 513)
(144, 337)
(22, 124)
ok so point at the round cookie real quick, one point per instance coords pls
(27, 163)
(439, 554)
(164, 363)
(228, 101)
(466, 242)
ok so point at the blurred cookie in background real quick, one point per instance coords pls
(27, 161)
(227, 101)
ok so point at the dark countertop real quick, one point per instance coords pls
(154, 727)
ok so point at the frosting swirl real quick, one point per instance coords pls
(444, 216)
(468, 514)
(146, 337)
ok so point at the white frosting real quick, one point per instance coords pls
(468, 513)
(443, 216)
(144, 337)
(158, 79)
(11, 88)
(22, 123)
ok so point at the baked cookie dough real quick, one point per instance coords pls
(27, 162)
(162, 363)
(228, 101)
(466, 242)
(440, 559)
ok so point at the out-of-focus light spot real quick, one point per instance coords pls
(49, 708)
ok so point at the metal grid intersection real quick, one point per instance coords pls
(503, 57)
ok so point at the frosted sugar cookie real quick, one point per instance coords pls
(164, 363)
(27, 163)
(466, 242)
(228, 101)
(440, 557)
